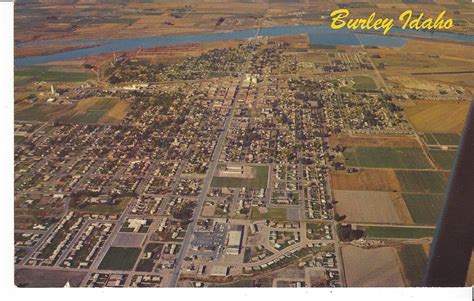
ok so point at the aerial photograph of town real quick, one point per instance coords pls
(235, 143)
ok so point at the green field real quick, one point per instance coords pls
(414, 263)
(104, 104)
(39, 112)
(274, 214)
(119, 258)
(447, 138)
(87, 117)
(346, 89)
(430, 139)
(386, 157)
(48, 74)
(444, 158)
(146, 265)
(104, 208)
(421, 181)
(364, 83)
(93, 113)
(442, 138)
(260, 181)
(397, 232)
(424, 208)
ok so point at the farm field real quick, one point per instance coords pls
(429, 139)
(443, 138)
(372, 267)
(439, 117)
(365, 179)
(118, 258)
(424, 208)
(50, 74)
(466, 80)
(384, 157)
(259, 181)
(444, 158)
(413, 259)
(398, 232)
(421, 181)
(372, 141)
(40, 112)
(116, 113)
(448, 56)
(371, 206)
(97, 110)
(87, 117)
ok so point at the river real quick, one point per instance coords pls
(318, 34)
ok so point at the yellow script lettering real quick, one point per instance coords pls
(337, 15)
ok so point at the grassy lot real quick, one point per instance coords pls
(364, 83)
(414, 263)
(386, 157)
(443, 158)
(424, 208)
(274, 214)
(121, 259)
(146, 265)
(421, 181)
(397, 232)
(240, 283)
(48, 74)
(104, 208)
(260, 180)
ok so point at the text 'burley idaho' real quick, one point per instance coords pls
(340, 19)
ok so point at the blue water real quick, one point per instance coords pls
(318, 35)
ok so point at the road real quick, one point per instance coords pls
(202, 196)
(207, 181)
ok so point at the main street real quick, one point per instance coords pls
(207, 181)
(202, 196)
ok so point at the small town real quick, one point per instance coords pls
(272, 160)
